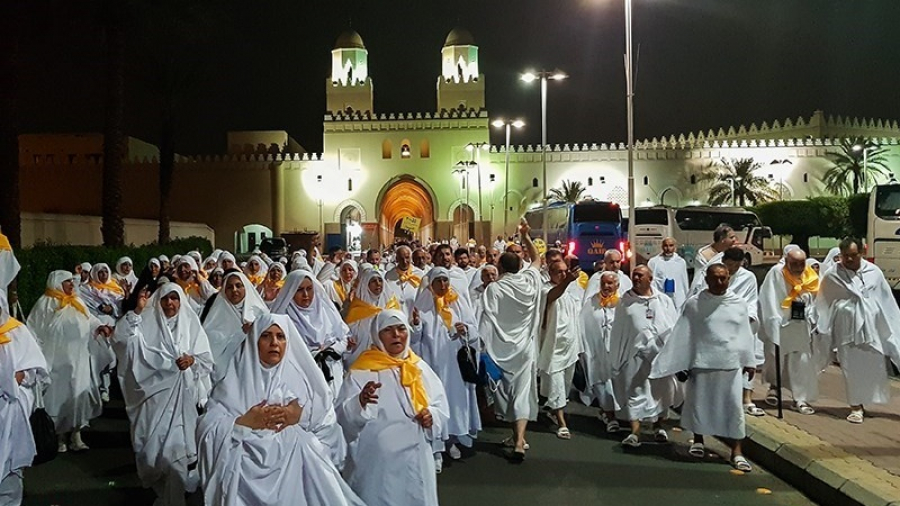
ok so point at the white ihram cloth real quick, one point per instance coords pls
(405, 292)
(161, 401)
(593, 286)
(95, 297)
(200, 290)
(829, 263)
(698, 283)
(224, 324)
(804, 352)
(9, 266)
(21, 354)
(561, 344)
(509, 328)
(242, 466)
(459, 280)
(642, 325)
(361, 330)
(438, 346)
(390, 460)
(69, 341)
(598, 323)
(320, 325)
(857, 310)
(670, 267)
(713, 340)
(130, 278)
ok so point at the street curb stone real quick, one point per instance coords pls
(825, 473)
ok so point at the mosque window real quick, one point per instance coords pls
(806, 177)
(424, 149)
(405, 151)
(534, 182)
(590, 181)
(386, 149)
(350, 185)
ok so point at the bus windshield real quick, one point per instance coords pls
(651, 217)
(609, 213)
(887, 202)
(708, 219)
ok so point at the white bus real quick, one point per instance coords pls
(883, 234)
(693, 228)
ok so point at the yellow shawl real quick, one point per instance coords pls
(13, 323)
(409, 277)
(109, 285)
(442, 305)
(360, 309)
(807, 282)
(66, 300)
(610, 301)
(410, 375)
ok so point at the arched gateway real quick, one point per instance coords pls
(401, 197)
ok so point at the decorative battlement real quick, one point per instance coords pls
(369, 116)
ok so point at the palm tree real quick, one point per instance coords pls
(856, 164)
(570, 191)
(735, 182)
(113, 226)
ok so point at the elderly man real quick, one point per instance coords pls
(670, 273)
(421, 259)
(598, 314)
(723, 238)
(403, 280)
(856, 308)
(509, 328)
(612, 262)
(787, 313)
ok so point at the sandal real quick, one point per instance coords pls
(855, 416)
(612, 427)
(772, 398)
(697, 450)
(563, 433)
(803, 408)
(632, 440)
(741, 463)
(509, 443)
(516, 456)
(661, 436)
(754, 410)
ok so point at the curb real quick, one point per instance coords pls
(825, 473)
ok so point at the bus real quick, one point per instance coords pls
(883, 231)
(585, 229)
(693, 227)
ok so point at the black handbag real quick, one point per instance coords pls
(468, 366)
(579, 379)
(44, 432)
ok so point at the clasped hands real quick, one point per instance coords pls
(271, 416)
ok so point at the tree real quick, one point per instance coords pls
(113, 226)
(570, 191)
(803, 219)
(735, 182)
(856, 165)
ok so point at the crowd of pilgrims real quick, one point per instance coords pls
(332, 381)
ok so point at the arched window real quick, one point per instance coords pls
(424, 149)
(646, 180)
(350, 185)
(590, 181)
(405, 150)
(534, 183)
(386, 149)
(806, 177)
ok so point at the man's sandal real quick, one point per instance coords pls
(697, 450)
(753, 410)
(563, 433)
(741, 463)
(803, 408)
(509, 443)
(855, 416)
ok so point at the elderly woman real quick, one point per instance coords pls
(193, 282)
(256, 270)
(102, 295)
(257, 444)
(369, 299)
(67, 332)
(230, 316)
(391, 407)
(165, 361)
(22, 368)
(274, 281)
(339, 290)
(447, 324)
(125, 272)
(227, 261)
(324, 333)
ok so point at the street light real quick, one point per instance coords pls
(780, 176)
(732, 179)
(477, 147)
(528, 77)
(498, 123)
(865, 151)
(629, 93)
(463, 171)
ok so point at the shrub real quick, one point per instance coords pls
(802, 219)
(39, 260)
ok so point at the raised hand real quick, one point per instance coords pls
(142, 302)
(369, 394)
(415, 317)
(524, 227)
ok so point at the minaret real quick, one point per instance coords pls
(460, 85)
(349, 89)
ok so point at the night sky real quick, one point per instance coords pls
(262, 64)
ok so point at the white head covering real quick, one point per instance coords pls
(385, 319)
(299, 262)
(263, 266)
(95, 271)
(829, 261)
(210, 263)
(175, 259)
(226, 255)
(187, 260)
(362, 289)
(277, 266)
(86, 267)
(787, 249)
(196, 256)
(224, 322)
(131, 278)
(216, 253)
(154, 261)
(318, 324)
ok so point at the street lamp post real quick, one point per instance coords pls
(508, 124)
(556, 75)
(464, 175)
(629, 92)
(865, 152)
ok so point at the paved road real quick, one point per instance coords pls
(589, 469)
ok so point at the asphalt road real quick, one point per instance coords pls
(591, 468)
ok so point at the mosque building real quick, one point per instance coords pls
(425, 175)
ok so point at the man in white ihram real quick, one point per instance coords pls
(670, 273)
(612, 262)
(403, 280)
(857, 310)
(509, 327)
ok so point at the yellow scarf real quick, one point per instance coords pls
(13, 323)
(269, 284)
(256, 280)
(360, 309)
(583, 280)
(410, 375)
(109, 285)
(339, 288)
(66, 300)
(409, 277)
(610, 301)
(4, 243)
(188, 287)
(807, 282)
(442, 304)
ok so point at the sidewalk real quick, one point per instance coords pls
(831, 460)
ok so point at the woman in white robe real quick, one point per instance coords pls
(269, 288)
(369, 299)
(125, 272)
(447, 323)
(319, 323)
(227, 261)
(68, 334)
(102, 295)
(257, 442)
(256, 270)
(165, 361)
(234, 309)
(22, 369)
(391, 407)
(339, 290)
